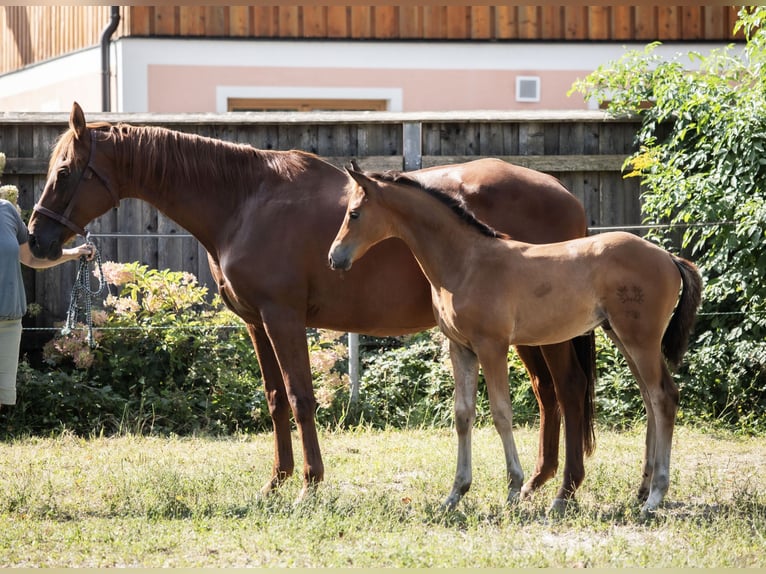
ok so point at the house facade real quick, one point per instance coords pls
(395, 58)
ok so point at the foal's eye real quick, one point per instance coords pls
(353, 215)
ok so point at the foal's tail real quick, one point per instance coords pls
(676, 337)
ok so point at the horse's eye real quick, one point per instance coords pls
(353, 214)
(63, 173)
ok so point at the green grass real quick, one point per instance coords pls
(151, 502)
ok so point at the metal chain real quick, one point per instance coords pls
(82, 296)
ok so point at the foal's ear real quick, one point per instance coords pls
(77, 121)
(362, 180)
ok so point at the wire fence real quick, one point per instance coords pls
(593, 229)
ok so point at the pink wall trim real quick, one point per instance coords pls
(193, 88)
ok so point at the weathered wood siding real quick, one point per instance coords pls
(35, 33)
(585, 150)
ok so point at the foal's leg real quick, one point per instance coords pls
(286, 329)
(663, 397)
(279, 408)
(550, 418)
(465, 368)
(651, 425)
(493, 357)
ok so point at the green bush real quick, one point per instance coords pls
(165, 361)
(702, 162)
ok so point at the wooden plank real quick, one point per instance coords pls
(599, 22)
(410, 22)
(576, 27)
(691, 23)
(386, 22)
(191, 20)
(562, 163)
(338, 21)
(361, 17)
(434, 22)
(622, 22)
(505, 23)
(553, 18)
(481, 22)
(532, 139)
(314, 21)
(529, 22)
(646, 23)
(289, 22)
(732, 11)
(265, 19)
(239, 21)
(166, 20)
(216, 21)
(668, 23)
(457, 22)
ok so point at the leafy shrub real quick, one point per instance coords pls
(702, 162)
(166, 361)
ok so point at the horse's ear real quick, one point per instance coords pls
(354, 165)
(77, 121)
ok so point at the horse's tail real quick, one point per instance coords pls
(676, 337)
(585, 349)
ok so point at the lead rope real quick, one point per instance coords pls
(82, 295)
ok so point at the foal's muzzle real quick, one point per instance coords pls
(338, 259)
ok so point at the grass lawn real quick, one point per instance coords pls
(193, 502)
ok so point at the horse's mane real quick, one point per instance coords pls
(455, 203)
(158, 155)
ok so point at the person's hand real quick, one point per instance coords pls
(86, 249)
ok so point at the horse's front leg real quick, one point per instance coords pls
(279, 408)
(493, 356)
(286, 329)
(465, 369)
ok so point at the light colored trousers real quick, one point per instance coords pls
(10, 340)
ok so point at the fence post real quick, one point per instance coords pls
(353, 366)
(412, 146)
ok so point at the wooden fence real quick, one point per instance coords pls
(585, 150)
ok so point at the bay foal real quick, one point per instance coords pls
(489, 292)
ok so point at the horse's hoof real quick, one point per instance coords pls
(451, 502)
(558, 507)
(526, 492)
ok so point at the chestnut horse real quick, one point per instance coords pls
(267, 218)
(489, 291)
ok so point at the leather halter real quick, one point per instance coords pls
(64, 218)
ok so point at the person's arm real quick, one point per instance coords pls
(69, 254)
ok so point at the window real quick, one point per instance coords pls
(304, 105)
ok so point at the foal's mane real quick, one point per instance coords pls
(455, 203)
(160, 155)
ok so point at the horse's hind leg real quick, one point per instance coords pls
(465, 368)
(550, 418)
(571, 389)
(493, 357)
(279, 408)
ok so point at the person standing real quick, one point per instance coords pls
(14, 248)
